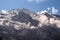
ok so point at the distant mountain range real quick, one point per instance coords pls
(22, 24)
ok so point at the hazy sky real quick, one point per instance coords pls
(33, 5)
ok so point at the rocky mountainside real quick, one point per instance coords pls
(22, 24)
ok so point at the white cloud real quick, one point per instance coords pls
(4, 12)
(48, 8)
(30, 0)
(36, 0)
(54, 10)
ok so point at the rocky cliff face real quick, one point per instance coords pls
(22, 24)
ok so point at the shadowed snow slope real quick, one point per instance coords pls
(22, 24)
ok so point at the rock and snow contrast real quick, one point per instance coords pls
(22, 24)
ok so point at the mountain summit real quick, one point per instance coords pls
(22, 24)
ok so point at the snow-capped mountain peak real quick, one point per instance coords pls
(22, 24)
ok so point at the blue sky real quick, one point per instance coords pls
(33, 5)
